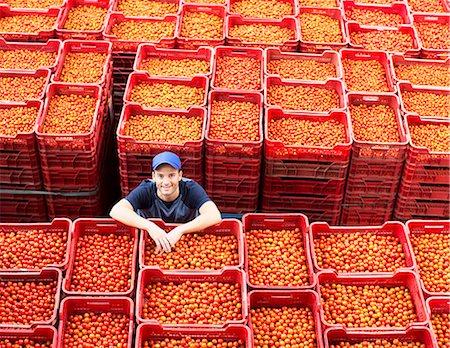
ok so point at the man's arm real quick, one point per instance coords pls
(209, 215)
(123, 212)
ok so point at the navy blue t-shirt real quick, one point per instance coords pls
(184, 208)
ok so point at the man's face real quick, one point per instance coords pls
(167, 180)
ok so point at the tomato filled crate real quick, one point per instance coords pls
(238, 336)
(332, 19)
(233, 149)
(311, 101)
(273, 222)
(245, 54)
(384, 39)
(293, 5)
(288, 24)
(119, 311)
(373, 151)
(131, 146)
(63, 33)
(24, 31)
(406, 280)
(276, 150)
(217, 14)
(380, 59)
(393, 231)
(329, 58)
(27, 87)
(436, 100)
(59, 228)
(310, 329)
(86, 228)
(421, 155)
(412, 336)
(318, 214)
(128, 8)
(434, 76)
(385, 14)
(438, 309)
(155, 281)
(19, 50)
(130, 45)
(35, 312)
(420, 232)
(41, 335)
(138, 79)
(22, 208)
(230, 228)
(434, 41)
(148, 52)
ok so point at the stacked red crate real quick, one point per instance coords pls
(424, 188)
(438, 308)
(433, 30)
(377, 160)
(26, 69)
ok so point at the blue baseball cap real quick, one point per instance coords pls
(166, 158)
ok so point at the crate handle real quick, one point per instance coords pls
(433, 227)
(362, 55)
(238, 51)
(430, 18)
(371, 98)
(381, 147)
(274, 219)
(281, 297)
(233, 145)
(98, 303)
(237, 96)
(83, 45)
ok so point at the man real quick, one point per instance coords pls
(170, 197)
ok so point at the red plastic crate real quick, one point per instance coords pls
(437, 305)
(77, 305)
(296, 202)
(407, 279)
(292, 3)
(358, 184)
(20, 178)
(122, 45)
(75, 205)
(438, 18)
(445, 5)
(419, 154)
(235, 203)
(137, 78)
(70, 180)
(143, 13)
(332, 84)
(330, 57)
(276, 150)
(79, 46)
(286, 22)
(318, 47)
(369, 201)
(243, 53)
(423, 174)
(22, 208)
(151, 275)
(227, 227)
(128, 145)
(273, 184)
(306, 169)
(399, 8)
(149, 51)
(373, 150)
(89, 226)
(232, 167)
(353, 27)
(230, 185)
(407, 209)
(408, 87)
(399, 60)
(191, 43)
(329, 216)
(381, 57)
(336, 337)
(420, 227)
(31, 5)
(376, 169)
(52, 143)
(369, 216)
(433, 191)
(39, 334)
(288, 298)
(40, 73)
(42, 35)
(278, 222)
(155, 332)
(65, 34)
(55, 226)
(390, 228)
(46, 275)
(228, 148)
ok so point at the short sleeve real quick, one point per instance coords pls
(196, 195)
(140, 197)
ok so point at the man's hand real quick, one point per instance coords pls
(175, 235)
(161, 239)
